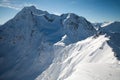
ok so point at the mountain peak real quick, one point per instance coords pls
(72, 15)
(29, 8)
(26, 11)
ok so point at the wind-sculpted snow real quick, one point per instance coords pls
(89, 59)
(38, 45)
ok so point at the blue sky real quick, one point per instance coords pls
(93, 10)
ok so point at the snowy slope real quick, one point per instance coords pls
(20, 48)
(90, 59)
(112, 29)
(38, 45)
(26, 41)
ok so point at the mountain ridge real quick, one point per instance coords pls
(35, 41)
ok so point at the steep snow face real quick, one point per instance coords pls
(24, 50)
(26, 41)
(112, 30)
(91, 59)
(77, 28)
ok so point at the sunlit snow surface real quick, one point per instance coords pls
(90, 59)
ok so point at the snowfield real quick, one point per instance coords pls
(90, 59)
(94, 71)
(37, 45)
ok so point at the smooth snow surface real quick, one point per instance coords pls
(93, 71)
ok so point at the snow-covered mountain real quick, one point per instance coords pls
(112, 29)
(38, 45)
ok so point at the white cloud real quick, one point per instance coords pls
(7, 3)
(9, 6)
(14, 4)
